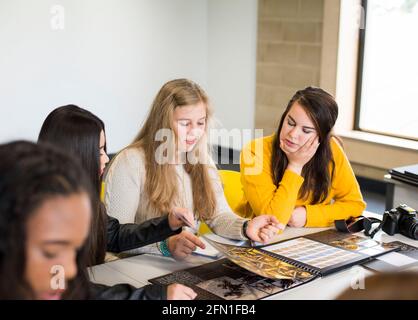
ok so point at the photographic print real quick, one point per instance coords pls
(261, 263)
(231, 289)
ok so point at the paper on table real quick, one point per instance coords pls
(397, 259)
(209, 250)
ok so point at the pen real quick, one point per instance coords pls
(182, 218)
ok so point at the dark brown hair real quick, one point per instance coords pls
(323, 111)
(30, 174)
(77, 131)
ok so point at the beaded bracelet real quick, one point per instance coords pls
(164, 248)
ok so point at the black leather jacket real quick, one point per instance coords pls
(127, 292)
(122, 237)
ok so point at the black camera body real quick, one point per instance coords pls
(403, 220)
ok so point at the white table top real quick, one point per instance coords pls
(138, 269)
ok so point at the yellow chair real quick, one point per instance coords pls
(231, 181)
(102, 191)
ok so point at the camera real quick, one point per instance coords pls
(403, 220)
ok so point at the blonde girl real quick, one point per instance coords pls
(168, 165)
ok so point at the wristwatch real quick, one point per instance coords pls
(244, 229)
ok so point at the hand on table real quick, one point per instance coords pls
(263, 228)
(298, 218)
(177, 291)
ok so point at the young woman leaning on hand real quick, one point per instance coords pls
(301, 174)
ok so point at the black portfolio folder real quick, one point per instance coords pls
(328, 251)
(258, 272)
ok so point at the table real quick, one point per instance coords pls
(138, 269)
(398, 192)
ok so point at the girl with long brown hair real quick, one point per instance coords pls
(168, 164)
(46, 209)
(303, 177)
(82, 134)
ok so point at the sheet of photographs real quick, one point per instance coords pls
(241, 284)
(312, 253)
(261, 263)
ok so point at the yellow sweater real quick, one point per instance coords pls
(261, 196)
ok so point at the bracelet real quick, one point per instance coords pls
(163, 247)
(244, 229)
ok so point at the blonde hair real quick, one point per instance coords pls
(161, 180)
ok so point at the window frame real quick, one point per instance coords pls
(359, 81)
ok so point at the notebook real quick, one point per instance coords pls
(408, 174)
(257, 272)
(411, 170)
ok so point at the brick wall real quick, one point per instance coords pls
(288, 55)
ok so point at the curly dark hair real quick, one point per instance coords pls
(30, 174)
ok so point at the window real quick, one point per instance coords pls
(387, 91)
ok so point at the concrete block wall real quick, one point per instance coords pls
(289, 44)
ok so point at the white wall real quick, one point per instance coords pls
(232, 38)
(113, 55)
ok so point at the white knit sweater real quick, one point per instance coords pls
(126, 199)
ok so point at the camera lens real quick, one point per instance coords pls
(415, 233)
(408, 226)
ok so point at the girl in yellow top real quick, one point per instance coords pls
(301, 174)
